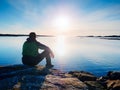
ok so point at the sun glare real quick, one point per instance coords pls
(60, 46)
(62, 23)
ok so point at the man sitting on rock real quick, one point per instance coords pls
(30, 53)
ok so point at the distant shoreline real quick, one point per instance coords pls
(18, 35)
(110, 37)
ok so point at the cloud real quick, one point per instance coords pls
(102, 14)
(101, 19)
(30, 10)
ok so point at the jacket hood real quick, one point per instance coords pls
(30, 40)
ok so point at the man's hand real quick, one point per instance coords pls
(51, 54)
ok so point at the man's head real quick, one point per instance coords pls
(32, 35)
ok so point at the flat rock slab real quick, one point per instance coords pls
(21, 77)
(83, 76)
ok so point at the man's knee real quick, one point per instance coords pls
(45, 53)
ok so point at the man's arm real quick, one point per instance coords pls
(42, 46)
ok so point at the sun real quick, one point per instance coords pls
(62, 23)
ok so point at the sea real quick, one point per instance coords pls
(90, 54)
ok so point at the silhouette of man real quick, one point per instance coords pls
(30, 53)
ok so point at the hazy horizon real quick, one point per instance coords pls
(53, 35)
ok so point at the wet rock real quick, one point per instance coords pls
(32, 82)
(113, 84)
(21, 77)
(94, 85)
(102, 81)
(8, 83)
(38, 78)
(111, 81)
(83, 76)
(113, 75)
(63, 83)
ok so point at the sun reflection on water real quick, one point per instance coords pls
(60, 47)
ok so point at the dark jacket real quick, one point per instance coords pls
(31, 47)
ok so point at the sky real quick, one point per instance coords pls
(60, 17)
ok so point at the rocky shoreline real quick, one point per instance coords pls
(21, 77)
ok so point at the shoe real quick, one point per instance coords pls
(49, 65)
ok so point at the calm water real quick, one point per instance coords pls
(74, 53)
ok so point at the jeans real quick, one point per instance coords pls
(32, 61)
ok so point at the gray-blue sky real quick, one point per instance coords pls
(86, 17)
